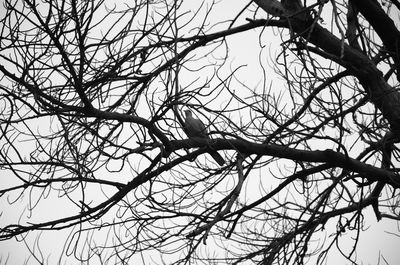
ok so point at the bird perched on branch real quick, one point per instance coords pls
(196, 128)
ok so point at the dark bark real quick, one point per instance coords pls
(380, 93)
(384, 27)
(335, 159)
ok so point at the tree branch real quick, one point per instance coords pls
(384, 27)
(330, 157)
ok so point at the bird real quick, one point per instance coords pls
(196, 128)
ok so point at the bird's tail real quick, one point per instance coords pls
(217, 157)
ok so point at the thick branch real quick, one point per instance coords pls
(327, 156)
(382, 95)
(384, 27)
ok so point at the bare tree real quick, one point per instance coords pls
(92, 140)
